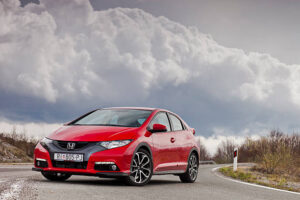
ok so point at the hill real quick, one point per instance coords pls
(16, 148)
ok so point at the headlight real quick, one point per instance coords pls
(44, 142)
(115, 143)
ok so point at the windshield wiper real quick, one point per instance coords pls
(101, 125)
(114, 125)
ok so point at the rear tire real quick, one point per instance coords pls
(54, 176)
(141, 169)
(191, 173)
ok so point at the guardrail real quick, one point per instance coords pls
(207, 162)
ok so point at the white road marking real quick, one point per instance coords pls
(252, 184)
(12, 192)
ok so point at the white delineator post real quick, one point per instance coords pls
(235, 157)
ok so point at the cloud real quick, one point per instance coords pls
(36, 130)
(65, 53)
(211, 143)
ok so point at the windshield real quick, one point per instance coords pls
(115, 117)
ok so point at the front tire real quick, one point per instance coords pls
(54, 176)
(141, 169)
(191, 173)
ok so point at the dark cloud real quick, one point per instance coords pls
(61, 59)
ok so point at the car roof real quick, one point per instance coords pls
(138, 108)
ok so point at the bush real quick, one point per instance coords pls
(21, 141)
(224, 152)
(275, 153)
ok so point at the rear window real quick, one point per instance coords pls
(177, 125)
(115, 117)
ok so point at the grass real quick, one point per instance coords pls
(270, 180)
(244, 176)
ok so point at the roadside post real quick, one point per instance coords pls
(235, 155)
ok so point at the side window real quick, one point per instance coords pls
(161, 118)
(177, 126)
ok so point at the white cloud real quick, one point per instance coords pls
(211, 143)
(64, 48)
(64, 51)
(37, 130)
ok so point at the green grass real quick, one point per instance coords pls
(244, 176)
(248, 176)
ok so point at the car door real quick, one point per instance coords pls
(181, 143)
(164, 148)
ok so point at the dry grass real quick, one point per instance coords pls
(16, 147)
(277, 153)
(247, 174)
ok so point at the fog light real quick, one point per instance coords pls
(106, 166)
(39, 162)
(114, 167)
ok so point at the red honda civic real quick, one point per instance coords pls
(128, 143)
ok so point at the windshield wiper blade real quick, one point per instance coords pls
(102, 125)
(114, 125)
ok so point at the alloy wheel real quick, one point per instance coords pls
(140, 170)
(193, 167)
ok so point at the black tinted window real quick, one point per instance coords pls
(115, 117)
(161, 118)
(177, 126)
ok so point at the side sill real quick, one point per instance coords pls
(169, 172)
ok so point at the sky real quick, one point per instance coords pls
(228, 68)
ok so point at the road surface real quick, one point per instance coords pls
(19, 182)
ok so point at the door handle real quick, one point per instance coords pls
(172, 140)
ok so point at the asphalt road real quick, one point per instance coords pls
(19, 182)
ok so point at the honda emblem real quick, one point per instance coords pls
(71, 145)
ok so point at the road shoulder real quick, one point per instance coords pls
(217, 173)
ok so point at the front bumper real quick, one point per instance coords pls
(92, 154)
(100, 174)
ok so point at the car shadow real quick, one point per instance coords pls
(105, 182)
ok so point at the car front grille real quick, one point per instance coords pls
(78, 145)
(69, 165)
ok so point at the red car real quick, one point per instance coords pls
(128, 143)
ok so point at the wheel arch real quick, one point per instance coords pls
(193, 150)
(145, 146)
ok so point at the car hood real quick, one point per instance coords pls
(93, 133)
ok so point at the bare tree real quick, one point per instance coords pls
(224, 152)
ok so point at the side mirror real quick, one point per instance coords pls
(158, 128)
(194, 131)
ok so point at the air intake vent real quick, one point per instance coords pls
(70, 165)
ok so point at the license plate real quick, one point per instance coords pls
(76, 157)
